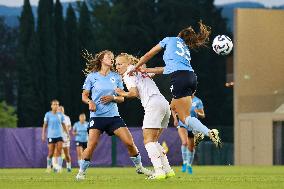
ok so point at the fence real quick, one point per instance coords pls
(22, 147)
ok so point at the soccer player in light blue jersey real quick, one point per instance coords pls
(53, 122)
(81, 136)
(189, 139)
(101, 82)
(183, 79)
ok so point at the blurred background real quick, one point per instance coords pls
(40, 59)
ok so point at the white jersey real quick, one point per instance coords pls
(67, 123)
(145, 85)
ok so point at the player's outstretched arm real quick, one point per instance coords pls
(156, 70)
(150, 54)
(133, 92)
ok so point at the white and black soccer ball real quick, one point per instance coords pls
(222, 45)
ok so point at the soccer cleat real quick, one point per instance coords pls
(81, 176)
(143, 170)
(157, 177)
(189, 169)
(214, 136)
(68, 170)
(170, 174)
(183, 168)
(198, 138)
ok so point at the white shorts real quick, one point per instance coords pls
(157, 113)
(66, 141)
(66, 144)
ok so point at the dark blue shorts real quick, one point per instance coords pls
(54, 140)
(183, 83)
(106, 124)
(82, 144)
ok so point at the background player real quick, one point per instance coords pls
(53, 121)
(189, 141)
(81, 136)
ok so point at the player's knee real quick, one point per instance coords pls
(184, 143)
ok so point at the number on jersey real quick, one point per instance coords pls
(183, 51)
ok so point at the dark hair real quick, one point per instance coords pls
(196, 40)
(94, 62)
(54, 100)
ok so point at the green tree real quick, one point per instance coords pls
(8, 71)
(27, 97)
(72, 60)
(8, 117)
(47, 55)
(62, 68)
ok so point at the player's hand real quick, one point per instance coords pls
(119, 91)
(175, 122)
(107, 99)
(92, 106)
(142, 70)
(43, 138)
(133, 71)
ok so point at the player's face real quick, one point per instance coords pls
(82, 118)
(121, 65)
(60, 109)
(54, 106)
(108, 59)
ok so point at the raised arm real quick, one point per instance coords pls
(156, 70)
(150, 54)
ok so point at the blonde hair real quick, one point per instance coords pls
(196, 40)
(132, 59)
(94, 62)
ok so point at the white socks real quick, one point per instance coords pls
(196, 125)
(158, 157)
(165, 162)
(155, 156)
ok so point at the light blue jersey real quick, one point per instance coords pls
(54, 124)
(99, 86)
(176, 55)
(196, 105)
(81, 130)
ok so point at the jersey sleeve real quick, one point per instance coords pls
(129, 81)
(199, 105)
(67, 120)
(75, 127)
(88, 83)
(164, 42)
(45, 119)
(120, 83)
(62, 118)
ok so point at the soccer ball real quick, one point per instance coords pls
(222, 45)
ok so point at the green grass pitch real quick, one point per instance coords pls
(219, 177)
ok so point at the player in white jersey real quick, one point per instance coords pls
(157, 112)
(57, 158)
